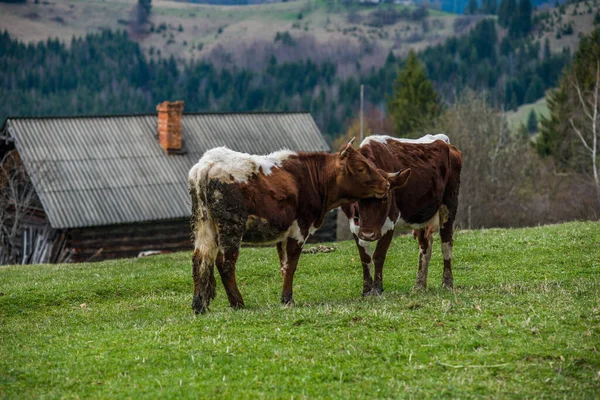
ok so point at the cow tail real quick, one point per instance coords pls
(204, 235)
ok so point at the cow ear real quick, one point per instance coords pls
(399, 179)
(345, 149)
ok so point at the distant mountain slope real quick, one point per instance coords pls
(355, 36)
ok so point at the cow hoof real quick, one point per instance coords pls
(198, 306)
(420, 287)
(447, 285)
(238, 306)
(374, 292)
(201, 310)
(289, 302)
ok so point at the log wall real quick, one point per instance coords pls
(128, 240)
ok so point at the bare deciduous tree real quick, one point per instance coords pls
(588, 122)
(18, 200)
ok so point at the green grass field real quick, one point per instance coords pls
(522, 322)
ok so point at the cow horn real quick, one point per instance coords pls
(345, 151)
(399, 179)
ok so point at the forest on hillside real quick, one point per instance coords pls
(108, 73)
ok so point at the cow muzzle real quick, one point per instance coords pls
(368, 235)
(384, 195)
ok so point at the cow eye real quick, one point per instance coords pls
(360, 167)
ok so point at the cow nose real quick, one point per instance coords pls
(367, 235)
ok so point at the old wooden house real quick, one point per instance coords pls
(114, 186)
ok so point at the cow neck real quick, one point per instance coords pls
(320, 168)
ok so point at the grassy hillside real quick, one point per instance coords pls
(193, 30)
(519, 116)
(580, 16)
(523, 322)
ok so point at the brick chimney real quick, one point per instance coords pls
(169, 126)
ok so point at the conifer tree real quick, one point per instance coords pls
(532, 122)
(505, 12)
(519, 24)
(415, 104)
(547, 51)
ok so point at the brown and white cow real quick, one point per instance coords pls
(425, 202)
(277, 199)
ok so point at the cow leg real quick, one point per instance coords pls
(231, 230)
(447, 230)
(447, 242)
(203, 262)
(289, 251)
(365, 259)
(226, 261)
(425, 238)
(379, 259)
(446, 235)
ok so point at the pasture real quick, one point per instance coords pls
(522, 322)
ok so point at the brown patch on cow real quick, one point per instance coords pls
(259, 230)
(425, 242)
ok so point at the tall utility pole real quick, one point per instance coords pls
(362, 91)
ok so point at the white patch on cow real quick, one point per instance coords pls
(387, 226)
(195, 174)
(295, 233)
(434, 223)
(367, 249)
(354, 228)
(284, 265)
(205, 239)
(424, 139)
(311, 231)
(224, 164)
(365, 245)
(447, 250)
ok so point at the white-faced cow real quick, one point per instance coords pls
(279, 199)
(425, 202)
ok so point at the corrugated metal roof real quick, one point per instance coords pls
(92, 171)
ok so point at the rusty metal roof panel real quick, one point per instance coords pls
(104, 170)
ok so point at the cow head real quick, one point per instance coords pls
(372, 213)
(356, 178)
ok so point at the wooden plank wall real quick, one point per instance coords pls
(128, 240)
